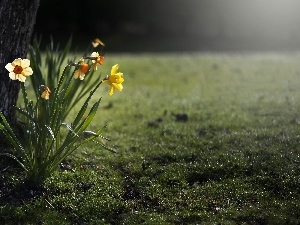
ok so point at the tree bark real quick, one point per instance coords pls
(17, 19)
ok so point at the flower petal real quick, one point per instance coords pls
(95, 54)
(94, 66)
(111, 91)
(21, 78)
(118, 86)
(45, 95)
(76, 74)
(27, 71)
(81, 76)
(12, 76)
(17, 62)
(114, 69)
(25, 63)
(9, 67)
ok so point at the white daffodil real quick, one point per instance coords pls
(19, 69)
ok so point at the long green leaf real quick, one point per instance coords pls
(9, 134)
(16, 159)
(26, 114)
(89, 118)
(84, 107)
(62, 56)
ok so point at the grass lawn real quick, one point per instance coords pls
(200, 139)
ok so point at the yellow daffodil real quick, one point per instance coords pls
(115, 80)
(81, 71)
(46, 93)
(19, 69)
(97, 42)
(99, 59)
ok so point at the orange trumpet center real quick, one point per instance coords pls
(18, 69)
(101, 59)
(84, 67)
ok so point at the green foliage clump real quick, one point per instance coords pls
(46, 138)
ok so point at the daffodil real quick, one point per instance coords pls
(98, 59)
(46, 93)
(115, 80)
(81, 71)
(19, 69)
(97, 42)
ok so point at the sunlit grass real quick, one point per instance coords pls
(200, 138)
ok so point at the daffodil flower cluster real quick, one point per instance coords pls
(19, 69)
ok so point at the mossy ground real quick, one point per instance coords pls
(200, 139)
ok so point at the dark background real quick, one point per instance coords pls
(174, 25)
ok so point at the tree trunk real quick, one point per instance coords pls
(17, 19)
